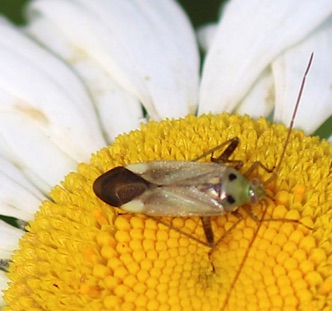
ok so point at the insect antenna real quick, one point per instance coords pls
(272, 178)
(291, 125)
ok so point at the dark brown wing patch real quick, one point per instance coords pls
(119, 186)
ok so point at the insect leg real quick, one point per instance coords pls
(237, 275)
(206, 223)
(254, 167)
(239, 216)
(158, 220)
(254, 217)
(224, 157)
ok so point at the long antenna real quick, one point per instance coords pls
(291, 125)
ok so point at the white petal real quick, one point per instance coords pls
(18, 197)
(45, 128)
(260, 101)
(316, 101)
(3, 286)
(9, 236)
(250, 35)
(148, 47)
(23, 143)
(30, 77)
(118, 110)
(13, 40)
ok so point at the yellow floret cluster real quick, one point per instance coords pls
(82, 254)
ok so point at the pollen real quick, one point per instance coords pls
(81, 254)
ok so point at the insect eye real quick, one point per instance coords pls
(230, 199)
(232, 176)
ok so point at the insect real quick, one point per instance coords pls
(180, 188)
(185, 189)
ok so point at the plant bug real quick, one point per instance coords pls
(180, 188)
(186, 189)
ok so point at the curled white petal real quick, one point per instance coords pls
(135, 43)
(41, 88)
(9, 239)
(316, 101)
(250, 35)
(18, 197)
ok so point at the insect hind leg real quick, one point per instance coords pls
(239, 217)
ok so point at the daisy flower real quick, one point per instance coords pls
(121, 80)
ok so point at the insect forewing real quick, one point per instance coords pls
(183, 173)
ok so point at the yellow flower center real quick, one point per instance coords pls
(82, 254)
